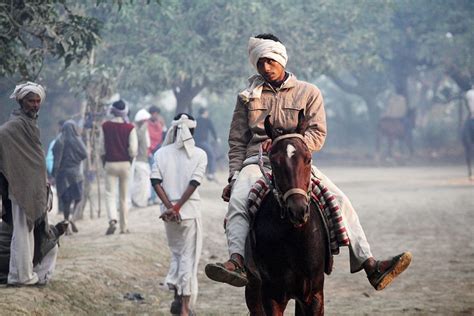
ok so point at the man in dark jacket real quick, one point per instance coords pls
(204, 129)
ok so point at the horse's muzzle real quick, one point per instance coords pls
(298, 209)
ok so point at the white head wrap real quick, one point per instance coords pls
(23, 89)
(262, 48)
(142, 115)
(183, 135)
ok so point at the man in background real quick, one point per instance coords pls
(204, 128)
(141, 176)
(119, 148)
(156, 128)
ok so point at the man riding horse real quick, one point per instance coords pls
(277, 92)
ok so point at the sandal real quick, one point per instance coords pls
(176, 304)
(218, 272)
(176, 307)
(381, 280)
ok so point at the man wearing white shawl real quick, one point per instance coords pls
(277, 92)
(177, 171)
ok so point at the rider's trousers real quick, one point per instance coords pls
(237, 226)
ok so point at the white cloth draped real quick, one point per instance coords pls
(180, 134)
(254, 89)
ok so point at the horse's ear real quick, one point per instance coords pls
(269, 128)
(303, 123)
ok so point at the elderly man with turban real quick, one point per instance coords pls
(28, 245)
(119, 148)
(276, 92)
(178, 170)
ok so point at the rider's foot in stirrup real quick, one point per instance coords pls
(231, 272)
(382, 273)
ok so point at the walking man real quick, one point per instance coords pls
(119, 149)
(69, 151)
(177, 171)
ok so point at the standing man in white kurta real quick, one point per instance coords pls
(177, 171)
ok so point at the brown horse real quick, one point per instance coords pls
(467, 137)
(396, 129)
(287, 244)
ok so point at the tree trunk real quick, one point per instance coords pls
(184, 94)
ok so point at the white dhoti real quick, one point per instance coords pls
(185, 243)
(141, 189)
(22, 249)
(45, 268)
(21, 270)
(237, 226)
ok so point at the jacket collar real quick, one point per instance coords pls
(289, 83)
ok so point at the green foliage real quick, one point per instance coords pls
(180, 44)
(32, 30)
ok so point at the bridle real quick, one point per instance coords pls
(279, 195)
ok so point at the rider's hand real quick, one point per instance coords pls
(227, 190)
(267, 145)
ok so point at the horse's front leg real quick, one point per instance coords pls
(253, 297)
(274, 307)
(315, 307)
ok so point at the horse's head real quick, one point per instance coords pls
(290, 159)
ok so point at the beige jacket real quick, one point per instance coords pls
(247, 130)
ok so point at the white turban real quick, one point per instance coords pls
(184, 138)
(23, 89)
(142, 115)
(260, 48)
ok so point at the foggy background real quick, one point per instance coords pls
(185, 54)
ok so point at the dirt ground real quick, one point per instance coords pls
(427, 210)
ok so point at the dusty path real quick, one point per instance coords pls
(429, 211)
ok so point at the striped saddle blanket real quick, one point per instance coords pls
(321, 196)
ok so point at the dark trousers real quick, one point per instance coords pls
(211, 156)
